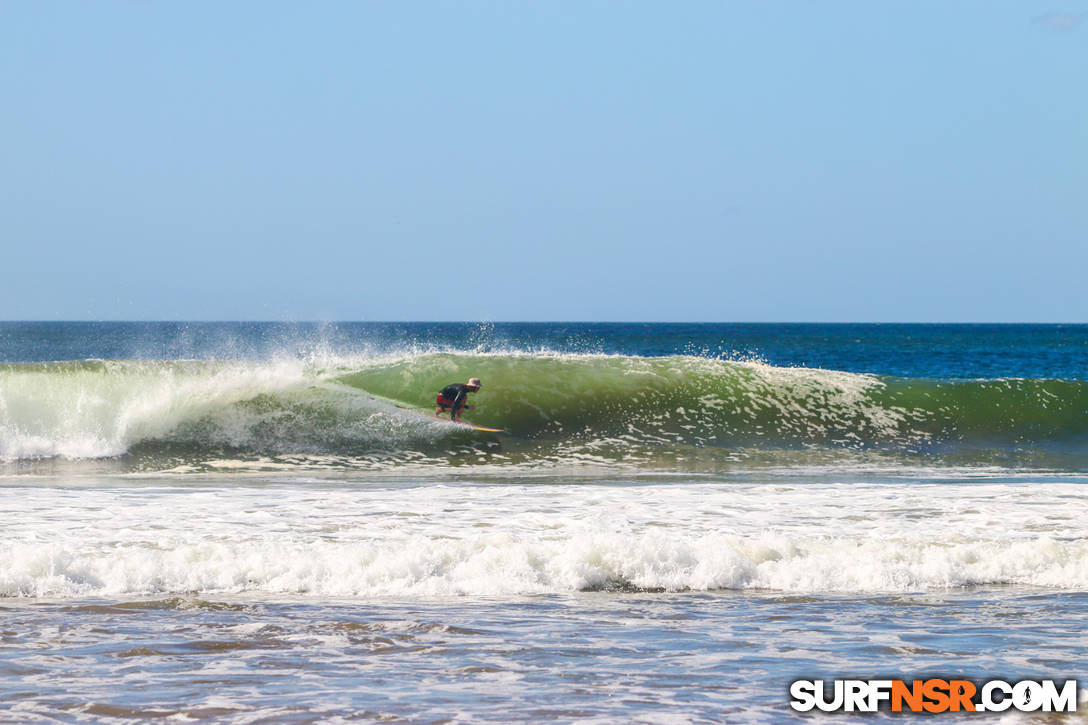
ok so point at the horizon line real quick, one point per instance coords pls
(541, 322)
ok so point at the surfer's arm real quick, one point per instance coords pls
(458, 403)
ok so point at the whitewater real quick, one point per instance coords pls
(389, 540)
(247, 521)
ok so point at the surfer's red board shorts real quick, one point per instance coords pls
(443, 402)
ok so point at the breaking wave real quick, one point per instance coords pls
(611, 408)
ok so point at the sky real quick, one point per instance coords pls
(654, 161)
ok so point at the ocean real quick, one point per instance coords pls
(254, 522)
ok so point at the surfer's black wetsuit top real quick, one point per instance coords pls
(455, 393)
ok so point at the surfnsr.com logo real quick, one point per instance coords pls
(933, 695)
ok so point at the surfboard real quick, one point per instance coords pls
(473, 426)
(446, 419)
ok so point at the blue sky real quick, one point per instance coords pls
(720, 161)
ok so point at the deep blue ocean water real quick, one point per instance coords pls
(905, 350)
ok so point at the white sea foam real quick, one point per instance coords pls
(100, 408)
(520, 539)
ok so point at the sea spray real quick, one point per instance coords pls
(603, 407)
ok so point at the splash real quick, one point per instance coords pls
(606, 409)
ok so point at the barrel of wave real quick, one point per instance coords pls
(676, 399)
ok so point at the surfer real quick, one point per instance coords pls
(454, 397)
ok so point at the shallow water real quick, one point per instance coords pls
(597, 657)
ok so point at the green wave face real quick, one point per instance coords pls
(653, 412)
(703, 401)
(683, 399)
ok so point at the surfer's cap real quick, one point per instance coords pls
(473, 383)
